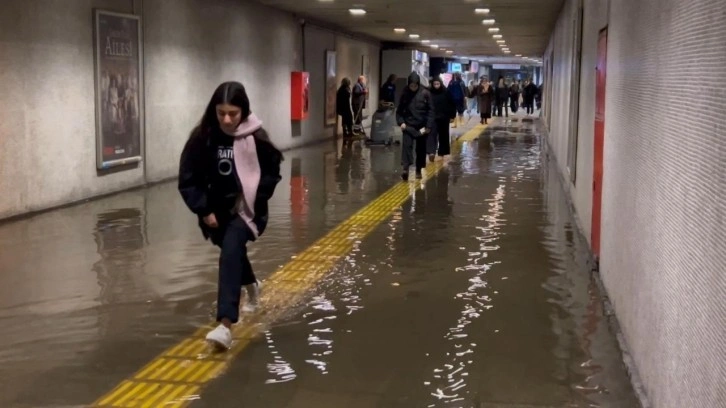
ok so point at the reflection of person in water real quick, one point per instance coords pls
(120, 242)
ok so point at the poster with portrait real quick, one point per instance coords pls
(331, 88)
(119, 87)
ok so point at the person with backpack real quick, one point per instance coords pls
(415, 116)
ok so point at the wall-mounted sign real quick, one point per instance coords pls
(119, 86)
(507, 66)
(300, 94)
(331, 88)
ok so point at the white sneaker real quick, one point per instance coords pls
(253, 297)
(221, 337)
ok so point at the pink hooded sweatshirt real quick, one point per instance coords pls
(247, 166)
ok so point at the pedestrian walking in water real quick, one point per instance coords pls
(344, 109)
(415, 116)
(485, 93)
(457, 89)
(530, 91)
(501, 98)
(444, 110)
(228, 171)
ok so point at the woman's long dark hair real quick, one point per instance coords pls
(232, 93)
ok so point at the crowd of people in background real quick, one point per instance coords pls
(426, 113)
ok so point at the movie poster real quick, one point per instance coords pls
(365, 70)
(119, 114)
(331, 88)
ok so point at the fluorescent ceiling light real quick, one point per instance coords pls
(434, 46)
(357, 11)
(425, 41)
(518, 55)
(494, 30)
(449, 52)
(507, 52)
(500, 41)
(399, 30)
(413, 36)
(482, 11)
(497, 36)
(488, 21)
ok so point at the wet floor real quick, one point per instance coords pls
(476, 293)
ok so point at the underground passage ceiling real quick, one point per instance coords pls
(488, 30)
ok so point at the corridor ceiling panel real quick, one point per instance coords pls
(453, 25)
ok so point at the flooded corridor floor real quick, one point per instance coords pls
(476, 292)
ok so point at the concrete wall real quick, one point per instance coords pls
(662, 256)
(47, 109)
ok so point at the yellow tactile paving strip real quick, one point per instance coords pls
(176, 377)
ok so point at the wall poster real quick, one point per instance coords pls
(119, 87)
(331, 88)
(365, 70)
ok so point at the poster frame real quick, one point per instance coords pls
(102, 164)
(331, 114)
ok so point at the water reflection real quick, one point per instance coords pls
(450, 379)
(473, 293)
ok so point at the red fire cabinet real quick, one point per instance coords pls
(300, 103)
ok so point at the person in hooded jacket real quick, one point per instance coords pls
(415, 116)
(457, 89)
(228, 171)
(388, 90)
(445, 111)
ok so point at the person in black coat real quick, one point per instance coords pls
(485, 93)
(343, 108)
(445, 111)
(530, 91)
(388, 90)
(228, 172)
(501, 96)
(415, 116)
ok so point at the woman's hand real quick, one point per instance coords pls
(211, 221)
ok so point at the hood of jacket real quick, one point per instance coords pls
(439, 91)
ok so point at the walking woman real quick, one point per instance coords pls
(228, 171)
(445, 112)
(344, 109)
(501, 98)
(485, 92)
